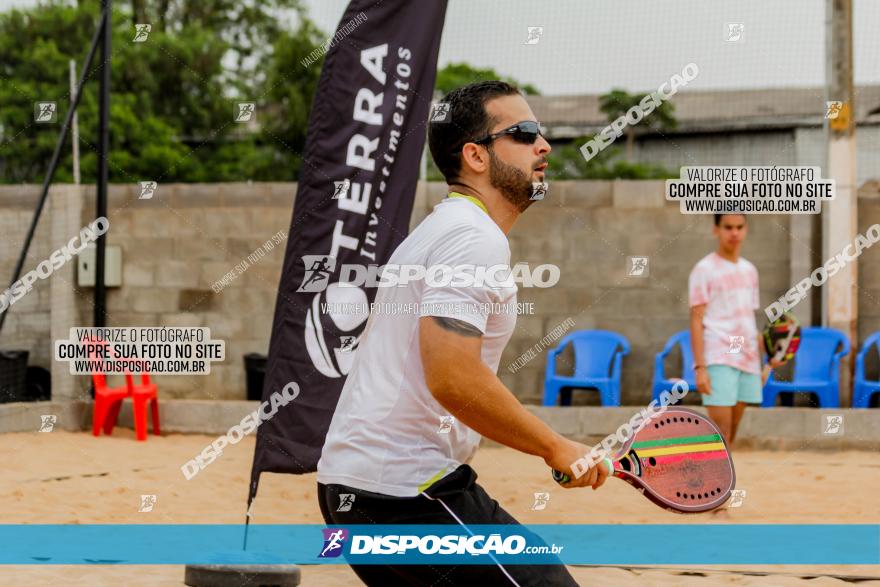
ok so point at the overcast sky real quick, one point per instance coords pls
(590, 46)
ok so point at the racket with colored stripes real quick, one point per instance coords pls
(678, 460)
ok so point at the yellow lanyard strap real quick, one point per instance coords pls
(471, 198)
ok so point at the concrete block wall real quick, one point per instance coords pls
(178, 244)
(28, 320)
(174, 247)
(188, 236)
(590, 229)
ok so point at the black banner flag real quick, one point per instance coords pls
(353, 205)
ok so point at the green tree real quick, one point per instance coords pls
(290, 97)
(567, 162)
(455, 75)
(617, 103)
(173, 96)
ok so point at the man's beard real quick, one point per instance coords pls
(513, 183)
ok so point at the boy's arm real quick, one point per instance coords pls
(464, 385)
(703, 384)
(697, 313)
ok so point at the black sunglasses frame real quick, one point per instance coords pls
(516, 131)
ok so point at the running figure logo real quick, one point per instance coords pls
(445, 424)
(333, 541)
(141, 32)
(346, 343)
(148, 188)
(535, 33)
(147, 503)
(346, 500)
(244, 111)
(737, 497)
(638, 267)
(832, 109)
(541, 499)
(45, 112)
(736, 344)
(440, 112)
(539, 190)
(318, 271)
(735, 32)
(340, 189)
(47, 423)
(833, 425)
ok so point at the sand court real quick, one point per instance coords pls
(73, 478)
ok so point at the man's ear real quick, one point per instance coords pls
(474, 158)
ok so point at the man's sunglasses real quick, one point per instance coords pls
(526, 132)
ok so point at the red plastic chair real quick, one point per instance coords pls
(108, 402)
(141, 394)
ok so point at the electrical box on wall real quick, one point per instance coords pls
(85, 266)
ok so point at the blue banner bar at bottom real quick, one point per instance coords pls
(138, 544)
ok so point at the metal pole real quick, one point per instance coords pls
(74, 139)
(53, 163)
(820, 298)
(103, 154)
(840, 216)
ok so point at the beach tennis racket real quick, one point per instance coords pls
(782, 337)
(678, 460)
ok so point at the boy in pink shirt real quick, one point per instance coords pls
(723, 297)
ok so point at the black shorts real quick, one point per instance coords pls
(465, 500)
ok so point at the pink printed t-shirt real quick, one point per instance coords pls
(730, 292)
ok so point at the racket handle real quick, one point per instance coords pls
(562, 478)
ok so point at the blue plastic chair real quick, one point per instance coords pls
(661, 382)
(596, 352)
(816, 368)
(863, 388)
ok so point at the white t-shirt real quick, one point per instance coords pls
(730, 292)
(388, 434)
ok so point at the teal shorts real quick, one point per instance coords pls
(730, 385)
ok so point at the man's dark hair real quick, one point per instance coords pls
(466, 121)
(718, 217)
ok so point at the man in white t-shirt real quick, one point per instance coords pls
(723, 296)
(423, 387)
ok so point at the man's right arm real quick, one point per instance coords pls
(464, 385)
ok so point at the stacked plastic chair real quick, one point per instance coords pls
(597, 356)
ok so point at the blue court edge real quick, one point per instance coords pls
(813, 544)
